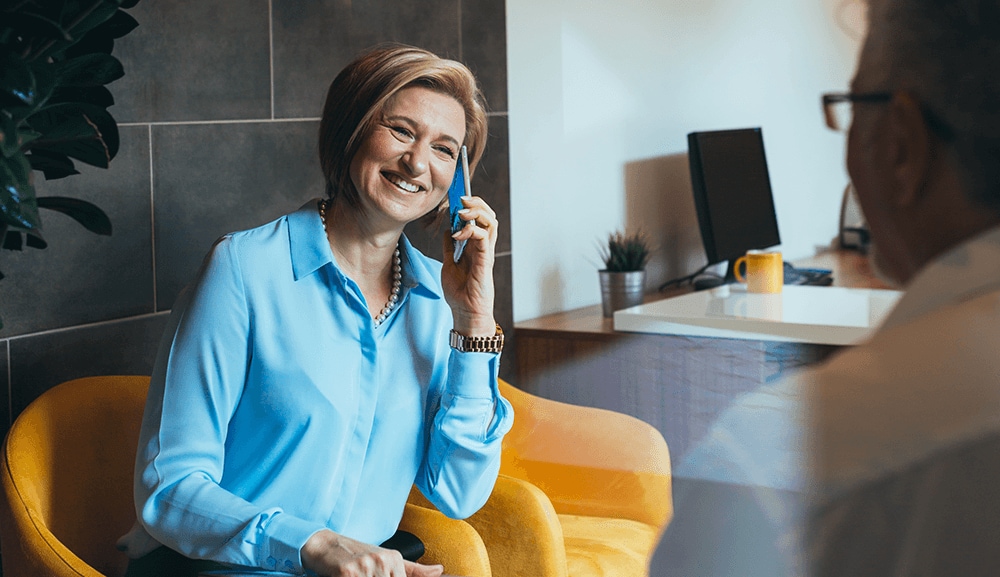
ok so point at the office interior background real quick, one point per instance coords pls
(590, 106)
(602, 96)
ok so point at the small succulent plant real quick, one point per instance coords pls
(625, 252)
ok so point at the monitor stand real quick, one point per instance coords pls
(710, 282)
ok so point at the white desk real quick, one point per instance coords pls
(799, 314)
(680, 383)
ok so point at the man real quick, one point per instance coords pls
(906, 429)
(902, 434)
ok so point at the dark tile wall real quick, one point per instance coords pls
(218, 114)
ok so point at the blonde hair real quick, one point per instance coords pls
(358, 95)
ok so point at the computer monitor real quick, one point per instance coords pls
(732, 193)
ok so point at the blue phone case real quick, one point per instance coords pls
(459, 188)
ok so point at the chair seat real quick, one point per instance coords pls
(603, 547)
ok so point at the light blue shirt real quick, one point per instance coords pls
(276, 408)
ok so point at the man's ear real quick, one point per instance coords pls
(910, 149)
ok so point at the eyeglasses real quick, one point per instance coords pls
(838, 107)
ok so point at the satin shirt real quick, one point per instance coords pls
(276, 407)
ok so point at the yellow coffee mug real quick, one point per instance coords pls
(765, 271)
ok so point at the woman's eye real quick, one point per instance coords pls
(402, 132)
(446, 151)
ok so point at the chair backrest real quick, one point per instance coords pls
(68, 476)
(588, 461)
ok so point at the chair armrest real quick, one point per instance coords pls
(449, 542)
(29, 548)
(521, 531)
(589, 461)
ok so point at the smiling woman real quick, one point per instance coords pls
(403, 169)
(313, 373)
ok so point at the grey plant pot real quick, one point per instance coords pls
(621, 290)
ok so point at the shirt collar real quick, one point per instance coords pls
(966, 271)
(310, 251)
(307, 240)
(420, 272)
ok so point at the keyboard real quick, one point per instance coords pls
(808, 276)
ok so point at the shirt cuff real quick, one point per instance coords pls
(473, 375)
(287, 535)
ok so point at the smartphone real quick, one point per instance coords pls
(459, 187)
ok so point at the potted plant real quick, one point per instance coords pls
(624, 274)
(55, 58)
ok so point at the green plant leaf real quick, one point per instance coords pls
(17, 195)
(120, 24)
(12, 240)
(89, 215)
(81, 131)
(102, 38)
(34, 240)
(16, 80)
(96, 95)
(35, 26)
(79, 18)
(52, 164)
(90, 70)
(11, 138)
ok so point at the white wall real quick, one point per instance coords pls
(602, 95)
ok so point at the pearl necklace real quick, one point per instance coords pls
(397, 274)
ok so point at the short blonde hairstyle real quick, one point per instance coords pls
(358, 95)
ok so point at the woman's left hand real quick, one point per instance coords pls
(468, 284)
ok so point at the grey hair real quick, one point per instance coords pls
(947, 54)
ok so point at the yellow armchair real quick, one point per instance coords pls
(583, 492)
(66, 482)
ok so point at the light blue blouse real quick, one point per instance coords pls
(277, 409)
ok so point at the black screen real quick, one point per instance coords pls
(732, 192)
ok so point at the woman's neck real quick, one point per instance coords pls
(363, 251)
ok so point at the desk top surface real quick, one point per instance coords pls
(805, 314)
(850, 270)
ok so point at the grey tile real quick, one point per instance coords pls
(492, 178)
(195, 60)
(82, 277)
(5, 419)
(504, 313)
(484, 48)
(313, 41)
(211, 179)
(40, 362)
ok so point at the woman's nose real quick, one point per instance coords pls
(416, 160)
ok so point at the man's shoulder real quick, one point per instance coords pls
(913, 390)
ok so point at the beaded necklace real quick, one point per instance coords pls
(397, 274)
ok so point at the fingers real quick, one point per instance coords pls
(418, 570)
(327, 553)
(483, 224)
(375, 563)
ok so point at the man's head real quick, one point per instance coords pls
(926, 164)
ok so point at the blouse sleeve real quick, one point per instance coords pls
(195, 387)
(463, 455)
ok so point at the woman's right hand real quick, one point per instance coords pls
(331, 555)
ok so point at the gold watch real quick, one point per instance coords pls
(465, 344)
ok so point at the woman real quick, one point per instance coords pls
(320, 365)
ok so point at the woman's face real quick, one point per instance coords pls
(405, 164)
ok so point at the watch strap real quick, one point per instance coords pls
(465, 344)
